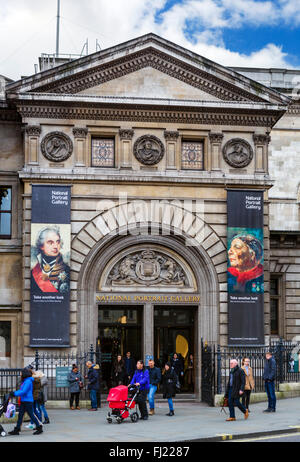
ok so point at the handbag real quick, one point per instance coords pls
(224, 404)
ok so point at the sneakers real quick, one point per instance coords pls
(170, 413)
(46, 421)
(30, 426)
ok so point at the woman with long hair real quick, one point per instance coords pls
(249, 385)
(169, 380)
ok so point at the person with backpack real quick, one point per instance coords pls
(26, 394)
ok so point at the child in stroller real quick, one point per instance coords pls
(121, 400)
(3, 410)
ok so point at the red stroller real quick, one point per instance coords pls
(121, 404)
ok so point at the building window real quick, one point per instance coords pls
(5, 212)
(103, 152)
(275, 301)
(192, 155)
(5, 340)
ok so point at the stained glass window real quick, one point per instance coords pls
(192, 155)
(5, 212)
(103, 152)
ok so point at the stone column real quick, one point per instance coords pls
(261, 142)
(171, 149)
(126, 135)
(148, 330)
(214, 160)
(80, 135)
(32, 138)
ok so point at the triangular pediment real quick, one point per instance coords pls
(149, 83)
(148, 66)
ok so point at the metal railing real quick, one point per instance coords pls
(284, 353)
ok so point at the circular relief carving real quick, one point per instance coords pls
(238, 153)
(148, 150)
(56, 146)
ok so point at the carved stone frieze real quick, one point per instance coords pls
(148, 150)
(56, 146)
(238, 153)
(147, 268)
(152, 114)
(80, 132)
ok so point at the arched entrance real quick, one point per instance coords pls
(169, 290)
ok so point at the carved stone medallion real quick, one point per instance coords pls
(148, 149)
(238, 153)
(147, 268)
(56, 147)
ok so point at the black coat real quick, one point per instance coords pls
(238, 384)
(270, 370)
(119, 375)
(169, 380)
(93, 378)
(177, 365)
(155, 375)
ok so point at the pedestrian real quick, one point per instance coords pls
(177, 365)
(235, 389)
(37, 390)
(190, 373)
(249, 384)
(93, 383)
(129, 366)
(26, 394)
(141, 379)
(42, 396)
(155, 378)
(75, 380)
(119, 375)
(169, 380)
(269, 376)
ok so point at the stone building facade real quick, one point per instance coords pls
(144, 132)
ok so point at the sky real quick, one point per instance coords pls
(247, 33)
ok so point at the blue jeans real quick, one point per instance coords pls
(234, 402)
(37, 411)
(93, 396)
(152, 391)
(270, 390)
(41, 410)
(26, 406)
(170, 403)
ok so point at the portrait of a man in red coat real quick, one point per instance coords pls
(50, 273)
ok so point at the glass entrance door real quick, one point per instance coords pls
(120, 331)
(174, 333)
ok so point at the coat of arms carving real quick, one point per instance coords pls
(147, 268)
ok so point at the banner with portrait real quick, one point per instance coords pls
(245, 268)
(50, 266)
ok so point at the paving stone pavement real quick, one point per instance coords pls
(192, 421)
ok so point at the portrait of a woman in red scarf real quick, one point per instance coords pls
(245, 270)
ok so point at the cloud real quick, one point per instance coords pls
(28, 28)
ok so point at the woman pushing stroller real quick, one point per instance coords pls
(26, 394)
(141, 378)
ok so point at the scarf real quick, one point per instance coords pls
(243, 278)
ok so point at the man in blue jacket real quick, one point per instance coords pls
(269, 378)
(141, 378)
(93, 383)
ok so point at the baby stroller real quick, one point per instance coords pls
(4, 409)
(120, 403)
